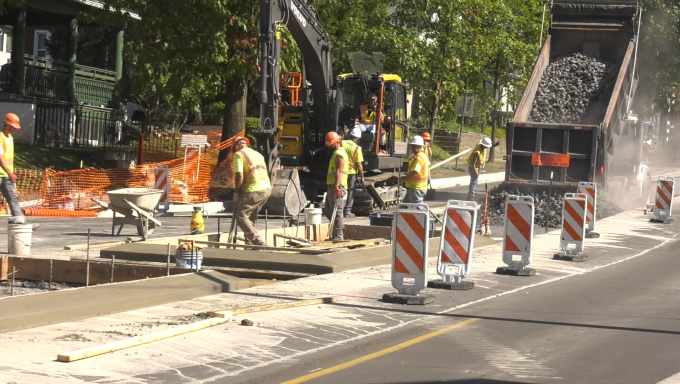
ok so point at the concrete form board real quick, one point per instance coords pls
(30, 311)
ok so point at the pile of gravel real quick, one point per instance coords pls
(574, 89)
(549, 209)
(26, 287)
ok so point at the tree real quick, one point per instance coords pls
(439, 45)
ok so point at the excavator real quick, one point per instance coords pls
(292, 129)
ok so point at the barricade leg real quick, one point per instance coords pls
(663, 204)
(574, 210)
(456, 245)
(590, 190)
(410, 235)
(518, 236)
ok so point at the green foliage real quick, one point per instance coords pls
(252, 123)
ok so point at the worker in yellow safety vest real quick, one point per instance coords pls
(367, 111)
(418, 173)
(336, 180)
(356, 158)
(474, 162)
(8, 180)
(252, 188)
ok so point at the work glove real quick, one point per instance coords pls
(497, 144)
(338, 192)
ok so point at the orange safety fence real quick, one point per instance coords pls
(58, 212)
(191, 181)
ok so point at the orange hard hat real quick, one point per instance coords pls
(427, 137)
(332, 138)
(13, 120)
(237, 139)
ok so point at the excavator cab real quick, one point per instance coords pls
(383, 122)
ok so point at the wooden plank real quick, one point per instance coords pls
(365, 232)
(271, 307)
(261, 247)
(4, 265)
(72, 271)
(347, 244)
(139, 340)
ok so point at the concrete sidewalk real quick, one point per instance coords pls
(282, 337)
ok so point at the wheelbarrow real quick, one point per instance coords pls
(126, 202)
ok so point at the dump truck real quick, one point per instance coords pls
(603, 145)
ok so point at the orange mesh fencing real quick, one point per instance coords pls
(191, 180)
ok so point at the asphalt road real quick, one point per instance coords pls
(619, 324)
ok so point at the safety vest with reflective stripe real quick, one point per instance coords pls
(352, 149)
(419, 181)
(254, 167)
(7, 143)
(368, 116)
(330, 180)
(479, 153)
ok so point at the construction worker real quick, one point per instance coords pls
(428, 145)
(418, 173)
(8, 180)
(475, 162)
(356, 158)
(367, 111)
(252, 188)
(336, 180)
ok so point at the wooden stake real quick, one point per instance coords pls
(87, 264)
(113, 261)
(14, 272)
(50, 288)
(168, 265)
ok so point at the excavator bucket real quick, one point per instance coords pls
(287, 197)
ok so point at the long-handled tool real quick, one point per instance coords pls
(237, 208)
(485, 221)
(334, 216)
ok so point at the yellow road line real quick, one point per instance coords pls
(381, 353)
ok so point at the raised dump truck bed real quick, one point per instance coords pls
(607, 142)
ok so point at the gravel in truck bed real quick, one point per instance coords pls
(574, 90)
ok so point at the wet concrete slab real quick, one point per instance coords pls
(275, 261)
(30, 311)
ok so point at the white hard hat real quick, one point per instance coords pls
(417, 140)
(486, 142)
(356, 132)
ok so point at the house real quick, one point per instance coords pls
(60, 103)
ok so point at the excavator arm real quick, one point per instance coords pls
(315, 48)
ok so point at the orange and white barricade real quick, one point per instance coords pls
(663, 204)
(162, 174)
(590, 190)
(456, 244)
(574, 208)
(410, 235)
(518, 235)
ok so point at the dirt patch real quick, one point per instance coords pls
(73, 337)
(26, 287)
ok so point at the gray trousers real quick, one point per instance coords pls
(249, 206)
(9, 191)
(331, 202)
(474, 180)
(351, 187)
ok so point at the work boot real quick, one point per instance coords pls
(349, 215)
(17, 220)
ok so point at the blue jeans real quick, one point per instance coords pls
(414, 196)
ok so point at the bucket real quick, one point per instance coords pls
(313, 216)
(19, 239)
(183, 259)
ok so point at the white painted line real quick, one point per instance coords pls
(425, 316)
(675, 379)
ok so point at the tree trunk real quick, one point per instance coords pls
(234, 112)
(196, 118)
(494, 126)
(434, 110)
(415, 104)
